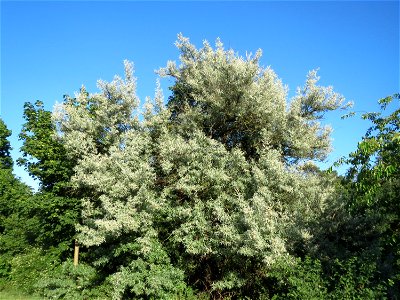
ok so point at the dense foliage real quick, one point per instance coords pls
(374, 182)
(43, 157)
(5, 147)
(215, 195)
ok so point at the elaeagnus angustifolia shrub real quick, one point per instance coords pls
(209, 190)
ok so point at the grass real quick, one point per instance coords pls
(14, 295)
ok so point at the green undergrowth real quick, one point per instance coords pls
(15, 295)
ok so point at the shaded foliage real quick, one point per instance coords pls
(374, 182)
(5, 147)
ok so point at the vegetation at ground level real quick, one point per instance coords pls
(215, 195)
(13, 295)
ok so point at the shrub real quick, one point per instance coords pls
(27, 268)
(71, 282)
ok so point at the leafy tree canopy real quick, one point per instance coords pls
(374, 181)
(218, 185)
(5, 147)
(43, 156)
(240, 104)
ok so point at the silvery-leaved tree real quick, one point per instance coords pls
(211, 190)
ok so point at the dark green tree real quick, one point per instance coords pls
(5, 147)
(374, 181)
(357, 239)
(43, 156)
(10, 188)
(14, 237)
(56, 208)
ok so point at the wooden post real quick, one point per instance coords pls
(76, 253)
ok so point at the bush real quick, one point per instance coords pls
(72, 282)
(29, 267)
(301, 280)
(354, 279)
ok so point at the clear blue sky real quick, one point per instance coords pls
(49, 49)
